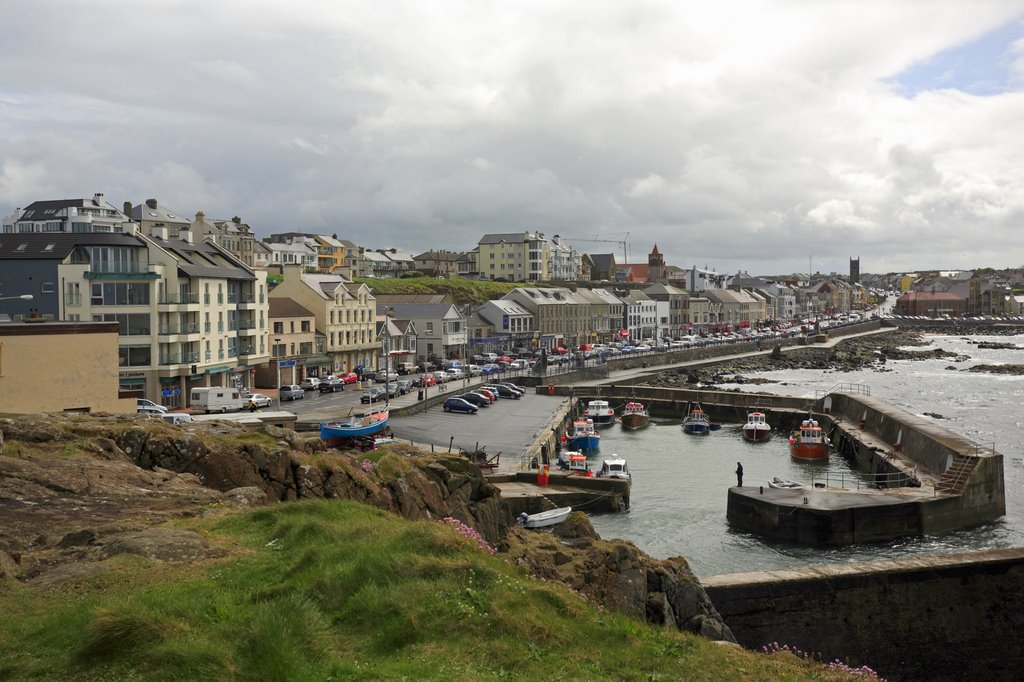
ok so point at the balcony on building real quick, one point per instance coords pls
(120, 270)
(183, 298)
(179, 358)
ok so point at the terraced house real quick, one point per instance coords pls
(561, 316)
(345, 314)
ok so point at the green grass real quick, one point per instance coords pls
(462, 290)
(340, 591)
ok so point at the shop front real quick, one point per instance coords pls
(170, 392)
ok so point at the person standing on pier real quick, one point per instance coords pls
(739, 474)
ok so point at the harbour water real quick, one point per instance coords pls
(678, 499)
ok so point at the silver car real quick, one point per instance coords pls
(292, 392)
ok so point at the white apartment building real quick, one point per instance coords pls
(68, 215)
(514, 257)
(189, 314)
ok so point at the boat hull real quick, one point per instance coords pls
(809, 452)
(635, 421)
(355, 427)
(548, 518)
(757, 435)
(697, 429)
(601, 418)
(584, 443)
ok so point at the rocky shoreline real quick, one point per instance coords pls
(77, 490)
(852, 354)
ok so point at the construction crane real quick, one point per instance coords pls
(624, 243)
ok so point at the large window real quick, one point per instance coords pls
(120, 293)
(129, 324)
(134, 356)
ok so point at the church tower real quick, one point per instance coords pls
(655, 266)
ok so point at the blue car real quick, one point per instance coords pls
(459, 405)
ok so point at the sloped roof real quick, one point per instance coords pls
(287, 307)
(37, 244)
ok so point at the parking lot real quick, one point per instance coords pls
(506, 426)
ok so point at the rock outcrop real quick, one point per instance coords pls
(76, 490)
(617, 575)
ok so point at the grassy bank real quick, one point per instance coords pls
(460, 289)
(337, 590)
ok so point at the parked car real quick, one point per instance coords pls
(383, 375)
(456, 373)
(486, 395)
(519, 364)
(404, 386)
(522, 391)
(372, 395)
(459, 405)
(491, 368)
(474, 370)
(291, 392)
(475, 399)
(143, 405)
(331, 385)
(348, 377)
(487, 392)
(427, 366)
(441, 376)
(310, 383)
(425, 380)
(406, 368)
(260, 400)
(504, 391)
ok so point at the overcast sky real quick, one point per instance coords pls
(764, 136)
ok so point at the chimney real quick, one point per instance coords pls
(127, 208)
(158, 231)
(185, 235)
(200, 216)
(98, 199)
(151, 203)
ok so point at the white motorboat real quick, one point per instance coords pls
(544, 519)
(600, 412)
(614, 468)
(777, 482)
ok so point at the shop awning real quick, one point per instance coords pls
(318, 361)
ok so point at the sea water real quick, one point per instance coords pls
(680, 482)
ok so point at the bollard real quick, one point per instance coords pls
(551, 389)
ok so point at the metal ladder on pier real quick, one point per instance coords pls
(955, 477)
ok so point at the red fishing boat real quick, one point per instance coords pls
(809, 442)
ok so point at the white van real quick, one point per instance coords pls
(176, 418)
(217, 399)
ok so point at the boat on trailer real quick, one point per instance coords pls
(756, 429)
(635, 416)
(545, 519)
(365, 424)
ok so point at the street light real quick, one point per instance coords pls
(277, 359)
(23, 297)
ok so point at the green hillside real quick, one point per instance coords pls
(462, 290)
(334, 590)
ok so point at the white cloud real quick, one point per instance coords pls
(729, 133)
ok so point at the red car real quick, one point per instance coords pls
(425, 380)
(487, 392)
(504, 359)
(349, 377)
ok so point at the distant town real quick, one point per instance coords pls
(142, 302)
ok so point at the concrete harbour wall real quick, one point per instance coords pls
(951, 617)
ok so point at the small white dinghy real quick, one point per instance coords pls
(781, 483)
(544, 519)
